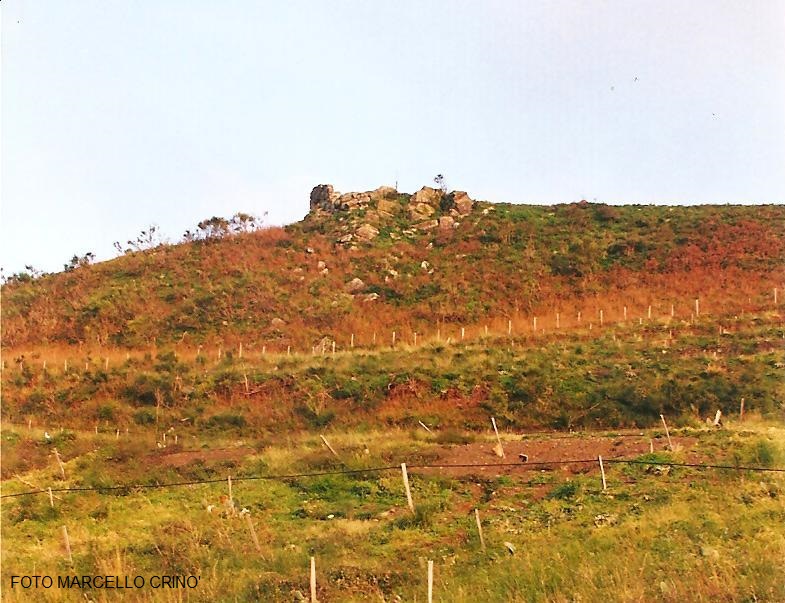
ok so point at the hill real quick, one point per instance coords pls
(362, 265)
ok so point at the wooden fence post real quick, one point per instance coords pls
(231, 498)
(406, 487)
(741, 410)
(330, 448)
(313, 579)
(667, 434)
(59, 463)
(67, 545)
(251, 529)
(602, 472)
(430, 581)
(499, 449)
(479, 528)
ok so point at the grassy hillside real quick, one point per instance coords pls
(575, 327)
(287, 287)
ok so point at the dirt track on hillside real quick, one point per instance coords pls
(551, 449)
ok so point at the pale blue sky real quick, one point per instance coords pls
(118, 114)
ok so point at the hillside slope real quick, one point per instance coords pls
(367, 263)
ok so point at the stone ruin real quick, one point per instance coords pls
(365, 212)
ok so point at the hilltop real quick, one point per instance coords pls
(361, 265)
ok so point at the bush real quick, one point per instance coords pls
(144, 417)
(226, 421)
(564, 491)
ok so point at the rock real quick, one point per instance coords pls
(427, 225)
(277, 322)
(425, 265)
(710, 552)
(428, 196)
(347, 238)
(366, 232)
(352, 201)
(309, 250)
(385, 206)
(462, 202)
(420, 212)
(382, 192)
(355, 285)
(322, 197)
(446, 223)
(371, 297)
(321, 265)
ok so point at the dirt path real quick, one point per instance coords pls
(546, 450)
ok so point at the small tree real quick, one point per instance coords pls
(213, 228)
(79, 262)
(447, 202)
(242, 222)
(147, 239)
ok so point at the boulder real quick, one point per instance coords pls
(446, 223)
(351, 201)
(322, 197)
(427, 225)
(421, 211)
(462, 202)
(366, 232)
(382, 192)
(427, 195)
(354, 285)
(387, 207)
(277, 322)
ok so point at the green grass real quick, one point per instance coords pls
(686, 534)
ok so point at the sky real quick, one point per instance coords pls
(120, 114)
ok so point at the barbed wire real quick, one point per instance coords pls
(285, 476)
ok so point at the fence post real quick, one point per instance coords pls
(602, 472)
(67, 545)
(406, 487)
(313, 579)
(479, 528)
(251, 529)
(499, 450)
(59, 463)
(430, 581)
(667, 434)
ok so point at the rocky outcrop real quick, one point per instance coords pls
(362, 215)
(323, 197)
(462, 203)
(366, 232)
(428, 196)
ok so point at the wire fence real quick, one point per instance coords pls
(286, 476)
